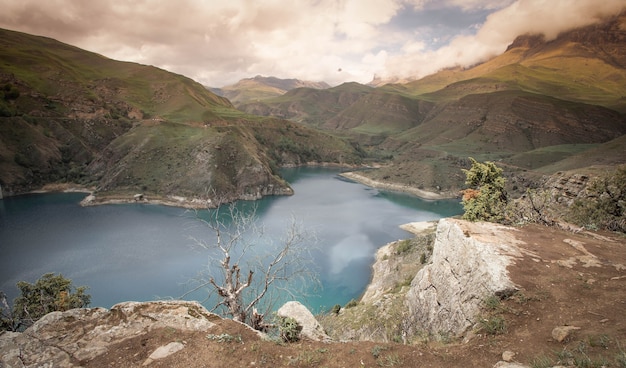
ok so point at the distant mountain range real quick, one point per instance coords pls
(260, 88)
(543, 106)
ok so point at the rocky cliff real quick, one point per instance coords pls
(469, 265)
(434, 284)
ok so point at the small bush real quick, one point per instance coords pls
(48, 294)
(289, 329)
(620, 359)
(605, 204)
(351, 304)
(486, 198)
(336, 309)
(404, 246)
(376, 350)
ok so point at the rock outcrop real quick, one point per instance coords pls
(469, 264)
(67, 339)
(311, 329)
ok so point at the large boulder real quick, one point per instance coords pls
(469, 264)
(311, 328)
(65, 339)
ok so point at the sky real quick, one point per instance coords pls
(219, 42)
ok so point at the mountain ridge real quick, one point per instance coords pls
(69, 115)
(260, 88)
(538, 93)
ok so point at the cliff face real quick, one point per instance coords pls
(435, 284)
(469, 264)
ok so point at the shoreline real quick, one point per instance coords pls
(173, 201)
(423, 194)
(92, 199)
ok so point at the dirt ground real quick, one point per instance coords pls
(564, 279)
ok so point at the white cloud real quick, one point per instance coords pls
(499, 30)
(218, 42)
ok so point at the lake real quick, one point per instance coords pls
(145, 252)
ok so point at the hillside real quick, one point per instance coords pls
(261, 88)
(537, 104)
(72, 116)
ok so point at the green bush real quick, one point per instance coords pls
(486, 198)
(289, 329)
(605, 204)
(48, 294)
(404, 246)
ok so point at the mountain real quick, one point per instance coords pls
(537, 104)
(260, 88)
(72, 116)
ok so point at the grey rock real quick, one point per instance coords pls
(78, 335)
(311, 328)
(503, 364)
(561, 333)
(164, 351)
(508, 356)
(469, 264)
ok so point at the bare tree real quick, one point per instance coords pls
(248, 269)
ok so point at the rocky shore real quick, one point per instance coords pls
(424, 194)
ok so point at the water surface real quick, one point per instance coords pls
(144, 252)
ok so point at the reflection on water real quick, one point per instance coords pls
(145, 252)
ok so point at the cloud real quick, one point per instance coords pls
(498, 31)
(217, 42)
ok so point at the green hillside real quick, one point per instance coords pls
(539, 106)
(68, 115)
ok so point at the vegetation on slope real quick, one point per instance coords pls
(541, 105)
(69, 115)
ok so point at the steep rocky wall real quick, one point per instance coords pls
(469, 264)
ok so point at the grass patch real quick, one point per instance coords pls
(541, 361)
(493, 325)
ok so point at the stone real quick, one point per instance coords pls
(89, 200)
(508, 356)
(469, 263)
(561, 333)
(60, 339)
(503, 364)
(311, 328)
(164, 351)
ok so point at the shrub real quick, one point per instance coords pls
(605, 204)
(404, 246)
(486, 198)
(351, 304)
(48, 294)
(289, 329)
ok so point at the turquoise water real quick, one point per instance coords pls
(144, 252)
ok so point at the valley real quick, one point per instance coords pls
(551, 112)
